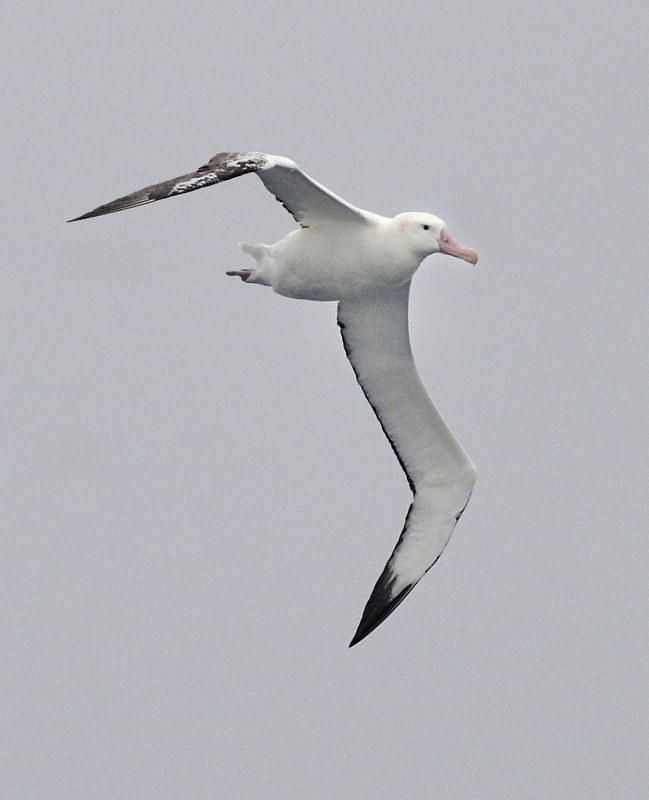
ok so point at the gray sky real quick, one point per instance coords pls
(197, 498)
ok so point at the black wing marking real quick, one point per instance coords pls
(381, 603)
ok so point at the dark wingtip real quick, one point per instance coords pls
(380, 605)
(133, 200)
(111, 208)
(107, 208)
(83, 216)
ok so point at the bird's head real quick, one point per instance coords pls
(427, 234)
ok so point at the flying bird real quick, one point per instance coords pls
(364, 262)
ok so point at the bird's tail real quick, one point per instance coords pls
(254, 249)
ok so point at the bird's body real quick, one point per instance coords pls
(318, 263)
(365, 262)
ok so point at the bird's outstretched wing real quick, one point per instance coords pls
(306, 199)
(440, 474)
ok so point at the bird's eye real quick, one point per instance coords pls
(425, 227)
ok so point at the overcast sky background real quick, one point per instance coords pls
(197, 498)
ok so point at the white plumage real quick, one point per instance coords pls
(365, 262)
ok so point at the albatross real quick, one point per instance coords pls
(365, 262)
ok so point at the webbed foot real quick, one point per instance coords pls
(244, 274)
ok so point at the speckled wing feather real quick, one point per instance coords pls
(222, 167)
